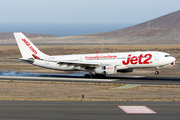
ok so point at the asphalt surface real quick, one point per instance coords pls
(78, 77)
(85, 110)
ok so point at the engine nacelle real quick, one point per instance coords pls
(125, 70)
(106, 70)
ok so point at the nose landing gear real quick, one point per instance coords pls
(157, 71)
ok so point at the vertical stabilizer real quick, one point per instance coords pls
(27, 48)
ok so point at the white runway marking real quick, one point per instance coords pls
(137, 110)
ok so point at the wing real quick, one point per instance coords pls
(80, 64)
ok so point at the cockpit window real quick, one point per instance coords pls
(167, 55)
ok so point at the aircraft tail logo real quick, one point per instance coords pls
(27, 48)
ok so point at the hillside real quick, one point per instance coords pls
(9, 35)
(162, 30)
(164, 25)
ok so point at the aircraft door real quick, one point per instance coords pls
(47, 61)
(81, 59)
(156, 56)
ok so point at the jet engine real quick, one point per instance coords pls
(106, 70)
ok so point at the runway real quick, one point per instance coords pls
(78, 77)
(82, 110)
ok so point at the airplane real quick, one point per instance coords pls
(101, 64)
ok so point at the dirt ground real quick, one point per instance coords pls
(14, 90)
(58, 91)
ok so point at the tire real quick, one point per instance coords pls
(91, 76)
(157, 72)
(97, 76)
(103, 76)
(86, 75)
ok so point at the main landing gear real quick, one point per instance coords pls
(94, 76)
(157, 71)
(89, 75)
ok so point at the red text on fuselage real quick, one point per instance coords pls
(138, 60)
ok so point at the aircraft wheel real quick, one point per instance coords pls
(103, 76)
(91, 76)
(86, 75)
(157, 72)
(98, 76)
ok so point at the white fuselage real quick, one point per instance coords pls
(123, 60)
(102, 64)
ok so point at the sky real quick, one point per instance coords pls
(84, 11)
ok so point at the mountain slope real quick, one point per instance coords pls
(164, 25)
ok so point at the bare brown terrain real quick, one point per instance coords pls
(162, 30)
(49, 90)
(160, 26)
(58, 91)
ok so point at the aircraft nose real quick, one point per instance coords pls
(174, 59)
